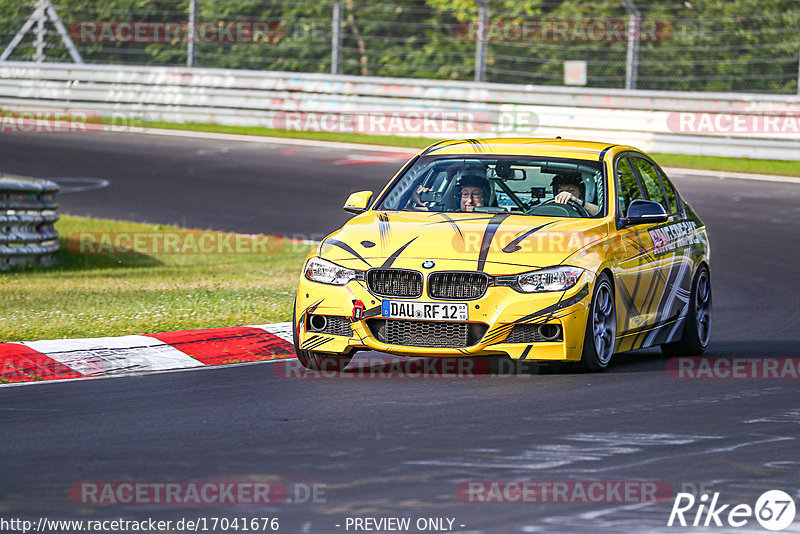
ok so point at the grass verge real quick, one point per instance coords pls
(91, 295)
(713, 163)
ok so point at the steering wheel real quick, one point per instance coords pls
(568, 209)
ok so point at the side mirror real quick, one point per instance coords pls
(645, 212)
(358, 202)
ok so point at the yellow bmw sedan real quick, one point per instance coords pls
(533, 249)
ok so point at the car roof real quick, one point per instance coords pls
(523, 146)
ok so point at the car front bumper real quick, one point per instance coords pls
(501, 309)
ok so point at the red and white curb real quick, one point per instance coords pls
(108, 356)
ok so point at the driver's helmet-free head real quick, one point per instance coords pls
(473, 180)
(568, 179)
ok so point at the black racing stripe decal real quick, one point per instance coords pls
(308, 311)
(637, 244)
(650, 296)
(318, 341)
(497, 333)
(627, 299)
(488, 235)
(309, 341)
(646, 255)
(501, 332)
(638, 272)
(513, 246)
(650, 300)
(574, 299)
(345, 247)
(476, 145)
(454, 225)
(390, 260)
(525, 352)
(548, 313)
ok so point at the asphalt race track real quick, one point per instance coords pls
(400, 447)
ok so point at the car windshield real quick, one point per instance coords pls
(525, 185)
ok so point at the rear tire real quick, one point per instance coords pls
(697, 330)
(601, 327)
(317, 361)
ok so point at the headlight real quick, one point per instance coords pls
(325, 272)
(549, 279)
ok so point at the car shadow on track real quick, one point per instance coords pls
(647, 360)
(378, 365)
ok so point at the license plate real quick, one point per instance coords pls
(431, 311)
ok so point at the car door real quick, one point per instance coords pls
(628, 273)
(672, 246)
(659, 261)
(665, 261)
(643, 272)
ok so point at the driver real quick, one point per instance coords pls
(570, 188)
(472, 190)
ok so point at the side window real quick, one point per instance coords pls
(670, 190)
(627, 186)
(649, 176)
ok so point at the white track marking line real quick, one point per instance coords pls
(114, 355)
(143, 373)
(282, 330)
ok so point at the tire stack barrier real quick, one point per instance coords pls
(27, 216)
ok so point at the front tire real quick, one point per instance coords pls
(697, 330)
(317, 361)
(601, 327)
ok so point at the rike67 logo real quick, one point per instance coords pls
(774, 510)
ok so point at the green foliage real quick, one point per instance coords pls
(702, 45)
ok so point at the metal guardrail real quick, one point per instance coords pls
(27, 216)
(645, 119)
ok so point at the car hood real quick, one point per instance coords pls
(495, 243)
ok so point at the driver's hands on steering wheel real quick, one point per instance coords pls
(565, 196)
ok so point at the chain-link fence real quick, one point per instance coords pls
(694, 45)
